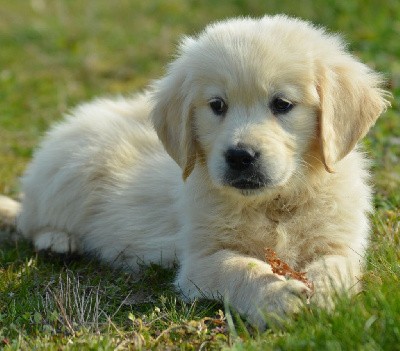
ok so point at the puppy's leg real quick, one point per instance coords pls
(54, 240)
(9, 209)
(332, 275)
(246, 283)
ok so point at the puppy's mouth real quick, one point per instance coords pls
(245, 184)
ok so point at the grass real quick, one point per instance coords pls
(55, 54)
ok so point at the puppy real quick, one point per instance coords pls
(248, 142)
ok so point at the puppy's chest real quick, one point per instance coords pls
(282, 230)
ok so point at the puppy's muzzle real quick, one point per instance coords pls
(243, 171)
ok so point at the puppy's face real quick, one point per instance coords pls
(248, 98)
(254, 122)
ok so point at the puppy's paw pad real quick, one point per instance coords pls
(56, 241)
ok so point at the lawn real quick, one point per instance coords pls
(55, 54)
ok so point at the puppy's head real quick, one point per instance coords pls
(252, 97)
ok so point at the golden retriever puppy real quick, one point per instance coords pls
(247, 143)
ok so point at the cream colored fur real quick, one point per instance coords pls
(101, 181)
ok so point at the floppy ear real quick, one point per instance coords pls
(350, 103)
(172, 116)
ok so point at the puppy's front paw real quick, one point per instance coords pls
(323, 298)
(281, 300)
(286, 297)
(325, 288)
(333, 276)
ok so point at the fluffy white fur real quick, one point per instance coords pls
(104, 182)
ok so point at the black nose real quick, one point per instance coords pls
(241, 158)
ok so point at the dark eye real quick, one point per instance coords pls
(281, 105)
(218, 106)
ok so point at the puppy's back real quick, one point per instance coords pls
(76, 156)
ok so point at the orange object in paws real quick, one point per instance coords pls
(282, 268)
